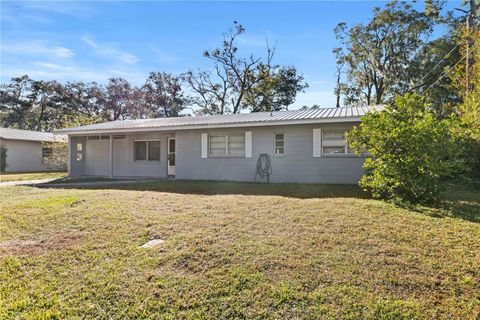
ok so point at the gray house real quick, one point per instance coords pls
(304, 146)
(25, 150)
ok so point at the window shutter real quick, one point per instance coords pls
(204, 145)
(317, 143)
(248, 144)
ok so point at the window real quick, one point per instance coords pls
(98, 138)
(218, 146)
(227, 146)
(79, 152)
(46, 152)
(236, 145)
(147, 151)
(333, 143)
(153, 150)
(279, 144)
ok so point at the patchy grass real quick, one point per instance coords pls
(20, 176)
(291, 252)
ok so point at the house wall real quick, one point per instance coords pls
(96, 157)
(297, 165)
(23, 156)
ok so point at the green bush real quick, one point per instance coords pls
(411, 151)
(3, 158)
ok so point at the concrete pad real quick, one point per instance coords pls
(152, 243)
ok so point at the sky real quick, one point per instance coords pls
(97, 40)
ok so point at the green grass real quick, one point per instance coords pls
(235, 250)
(20, 176)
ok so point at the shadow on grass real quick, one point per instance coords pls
(457, 203)
(294, 190)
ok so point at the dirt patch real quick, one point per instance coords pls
(34, 247)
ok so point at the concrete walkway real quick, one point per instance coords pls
(25, 182)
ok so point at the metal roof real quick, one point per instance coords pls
(18, 134)
(344, 114)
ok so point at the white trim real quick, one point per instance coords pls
(248, 144)
(69, 153)
(317, 143)
(170, 168)
(204, 145)
(282, 155)
(212, 126)
(111, 155)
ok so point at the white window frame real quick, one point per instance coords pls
(146, 151)
(226, 155)
(332, 144)
(79, 151)
(281, 155)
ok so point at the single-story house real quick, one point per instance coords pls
(305, 146)
(25, 150)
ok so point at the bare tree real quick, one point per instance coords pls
(222, 90)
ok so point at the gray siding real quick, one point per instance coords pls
(298, 164)
(124, 165)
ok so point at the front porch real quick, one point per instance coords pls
(122, 155)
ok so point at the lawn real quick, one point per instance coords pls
(20, 176)
(235, 251)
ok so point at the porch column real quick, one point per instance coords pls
(111, 156)
(69, 152)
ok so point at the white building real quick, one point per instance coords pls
(24, 149)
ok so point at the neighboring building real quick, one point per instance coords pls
(24, 149)
(305, 146)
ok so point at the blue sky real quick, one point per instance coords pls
(94, 41)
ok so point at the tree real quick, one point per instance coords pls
(56, 158)
(242, 82)
(118, 99)
(15, 105)
(276, 90)
(3, 158)
(163, 95)
(223, 90)
(469, 109)
(30, 104)
(411, 151)
(378, 55)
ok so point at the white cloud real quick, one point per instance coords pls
(109, 50)
(38, 48)
(70, 72)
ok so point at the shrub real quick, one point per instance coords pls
(3, 158)
(411, 151)
(56, 159)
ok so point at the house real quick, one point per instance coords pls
(25, 150)
(305, 146)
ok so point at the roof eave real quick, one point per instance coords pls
(212, 126)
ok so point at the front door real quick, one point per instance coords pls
(171, 157)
